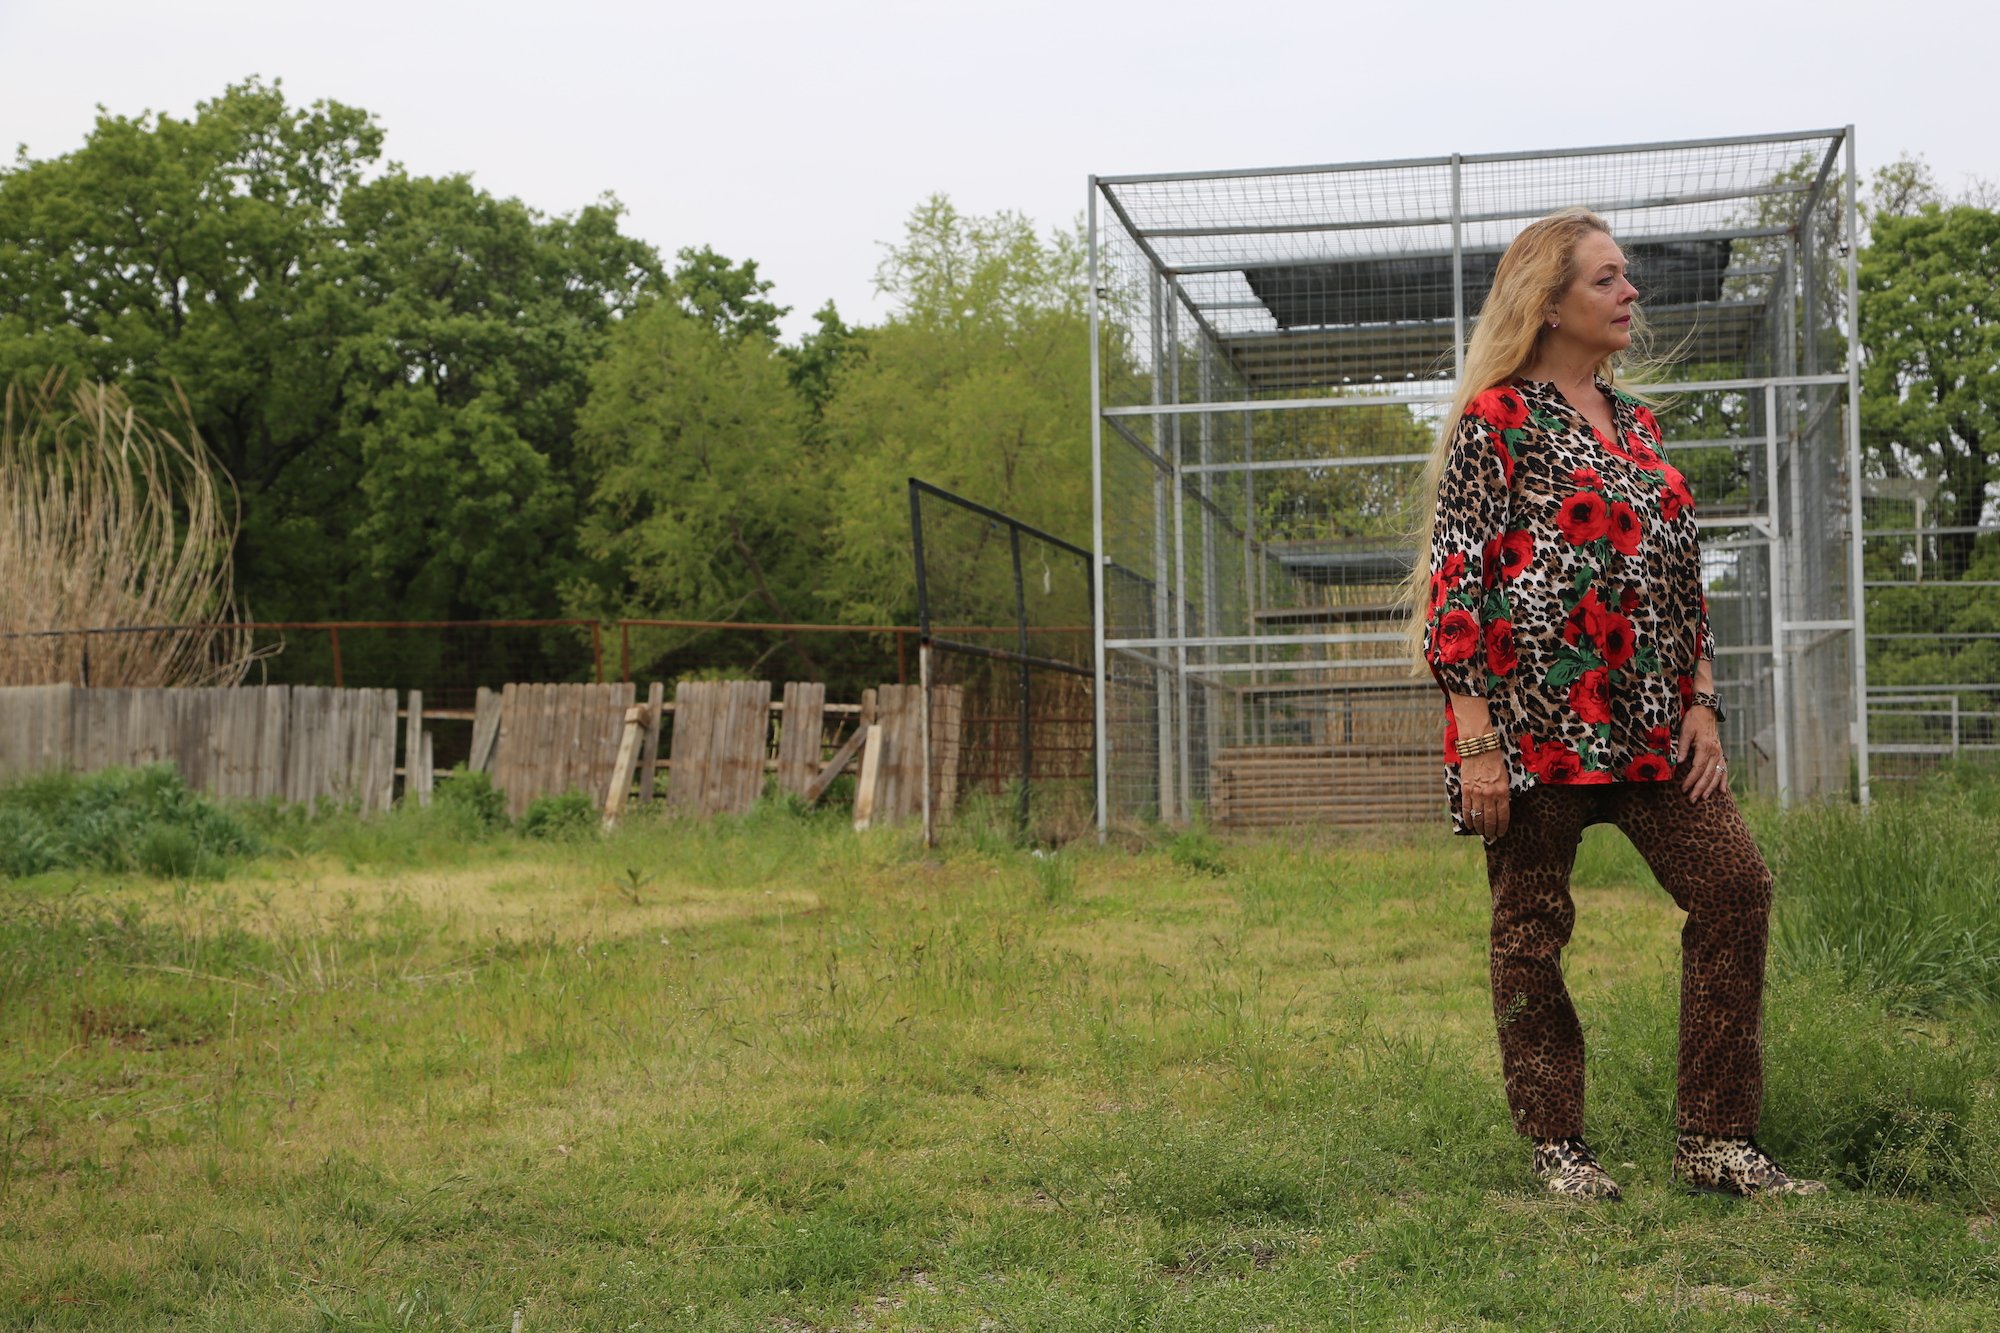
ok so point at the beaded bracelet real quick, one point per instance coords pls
(1485, 743)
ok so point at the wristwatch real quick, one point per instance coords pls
(1712, 702)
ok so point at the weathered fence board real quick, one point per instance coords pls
(801, 736)
(899, 710)
(485, 730)
(947, 737)
(36, 737)
(649, 758)
(722, 731)
(552, 739)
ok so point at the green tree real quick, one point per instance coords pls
(705, 506)
(818, 356)
(1930, 327)
(979, 382)
(391, 367)
(726, 295)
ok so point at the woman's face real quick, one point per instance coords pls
(1595, 314)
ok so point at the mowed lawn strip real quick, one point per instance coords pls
(767, 1074)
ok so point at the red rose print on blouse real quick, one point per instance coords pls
(1647, 422)
(1676, 497)
(1585, 620)
(1660, 737)
(1590, 697)
(1635, 449)
(1516, 550)
(1648, 768)
(1502, 408)
(1614, 640)
(1583, 518)
(1551, 762)
(1457, 635)
(1625, 529)
(1684, 686)
(1500, 656)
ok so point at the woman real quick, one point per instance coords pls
(1565, 621)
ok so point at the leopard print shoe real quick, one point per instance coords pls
(1733, 1166)
(1569, 1167)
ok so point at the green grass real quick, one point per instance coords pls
(765, 1074)
(1904, 898)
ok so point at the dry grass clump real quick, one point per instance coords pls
(108, 520)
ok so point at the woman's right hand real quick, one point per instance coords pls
(1483, 795)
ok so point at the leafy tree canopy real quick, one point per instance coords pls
(727, 296)
(979, 382)
(1930, 325)
(389, 365)
(704, 505)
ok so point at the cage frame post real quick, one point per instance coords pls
(1099, 698)
(1856, 568)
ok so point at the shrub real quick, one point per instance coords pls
(471, 800)
(117, 820)
(564, 818)
(27, 845)
(1194, 848)
(168, 851)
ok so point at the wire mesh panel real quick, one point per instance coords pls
(1933, 597)
(1005, 612)
(1275, 351)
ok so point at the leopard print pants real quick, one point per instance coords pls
(1705, 858)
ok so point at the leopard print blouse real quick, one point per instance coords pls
(1565, 589)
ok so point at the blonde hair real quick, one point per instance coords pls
(1513, 320)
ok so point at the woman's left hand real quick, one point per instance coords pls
(1699, 737)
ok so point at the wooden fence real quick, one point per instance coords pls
(294, 743)
(306, 745)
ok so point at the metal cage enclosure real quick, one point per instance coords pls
(1273, 350)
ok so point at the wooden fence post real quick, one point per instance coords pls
(638, 718)
(414, 784)
(871, 778)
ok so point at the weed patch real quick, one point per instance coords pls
(117, 820)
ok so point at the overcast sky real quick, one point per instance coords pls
(801, 135)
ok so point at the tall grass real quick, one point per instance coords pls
(1904, 897)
